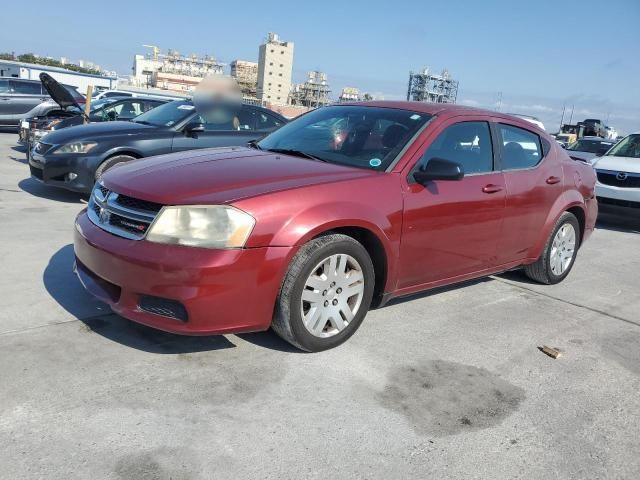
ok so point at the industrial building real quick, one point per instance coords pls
(172, 71)
(246, 74)
(275, 65)
(433, 88)
(32, 71)
(313, 93)
(349, 94)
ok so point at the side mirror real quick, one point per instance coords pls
(194, 128)
(438, 169)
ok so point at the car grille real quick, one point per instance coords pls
(163, 307)
(121, 215)
(42, 148)
(619, 179)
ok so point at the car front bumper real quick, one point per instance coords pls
(219, 291)
(72, 172)
(612, 196)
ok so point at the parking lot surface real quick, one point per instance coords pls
(449, 384)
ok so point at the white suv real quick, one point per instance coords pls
(619, 174)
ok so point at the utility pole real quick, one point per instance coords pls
(562, 118)
(87, 103)
(499, 106)
(571, 117)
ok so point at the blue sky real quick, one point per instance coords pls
(538, 55)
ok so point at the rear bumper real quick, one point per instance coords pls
(221, 291)
(56, 170)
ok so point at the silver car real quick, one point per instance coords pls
(21, 98)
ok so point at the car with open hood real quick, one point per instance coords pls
(21, 98)
(73, 158)
(618, 171)
(62, 101)
(71, 113)
(338, 211)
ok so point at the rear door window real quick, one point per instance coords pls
(4, 86)
(520, 148)
(264, 121)
(26, 88)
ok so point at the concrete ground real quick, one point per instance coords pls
(445, 385)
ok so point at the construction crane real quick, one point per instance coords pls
(154, 49)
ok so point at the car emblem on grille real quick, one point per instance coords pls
(104, 216)
(622, 176)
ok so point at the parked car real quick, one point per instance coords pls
(21, 98)
(588, 148)
(304, 233)
(73, 158)
(103, 110)
(619, 175)
(128, 94)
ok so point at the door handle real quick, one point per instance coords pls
(491, 188)
(553, 180)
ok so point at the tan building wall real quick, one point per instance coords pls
(275, 65)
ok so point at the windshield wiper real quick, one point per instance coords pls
(141, 122)
(254, 144)
(296, 153)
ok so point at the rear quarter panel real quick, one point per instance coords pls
(578, 191)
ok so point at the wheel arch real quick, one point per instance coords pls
(374, 247)
(571, 201)
(124, 151)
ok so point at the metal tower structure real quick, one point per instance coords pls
(432, 88)
(313, 93)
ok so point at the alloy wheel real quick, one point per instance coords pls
(332, 295)
(562, 249)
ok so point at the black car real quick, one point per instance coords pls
(72, 113)
(73, 158)
(103, 110)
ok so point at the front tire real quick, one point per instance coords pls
(325, 294)
(110, 162)
(559, 253)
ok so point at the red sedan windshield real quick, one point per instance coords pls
(358, 136)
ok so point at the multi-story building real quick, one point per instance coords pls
(275, 64)
(191, 68)
(246, 74)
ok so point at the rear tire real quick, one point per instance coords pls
(326, 293)
(110, 162)
(559, 253)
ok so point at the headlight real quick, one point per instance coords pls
(77, 147)
(217, 226)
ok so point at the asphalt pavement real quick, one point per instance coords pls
(449, 384)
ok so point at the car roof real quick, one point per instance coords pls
(448, 109)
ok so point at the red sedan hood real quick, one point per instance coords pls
(220, 175)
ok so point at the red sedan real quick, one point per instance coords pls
(334, 213)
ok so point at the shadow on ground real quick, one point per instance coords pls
(618, 221)
(62, 284)
(40, 190)
(435, 291)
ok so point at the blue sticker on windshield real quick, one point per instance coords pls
(375, 162)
